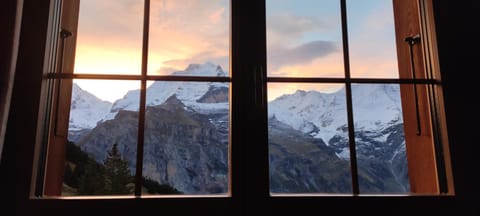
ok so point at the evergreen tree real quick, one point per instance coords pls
(92, 181)
(76, 160)
(153, 187)
(117, 175)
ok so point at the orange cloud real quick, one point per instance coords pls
(328, 66)
(184, 32)
(110, 34)
(217, 16)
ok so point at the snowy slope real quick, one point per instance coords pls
(376, 106)
(324, 115)
(187, 92)
(86, 109)
(321, 115)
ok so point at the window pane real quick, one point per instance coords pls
(187, 138)
(188, 32)
(304, 38)
(109, 39)
(102, 140)
(380, 139)
(372, 42)
(308, 139)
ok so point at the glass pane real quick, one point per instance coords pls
(109, 39)
(304, 38)
(188, 32)
(187, 138)
(102, 140)
(308, 139)
(380, 139)
(371, 28)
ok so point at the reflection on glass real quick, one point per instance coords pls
(186, 138)
(102, 139)
(380, 139)
(109, 39)
(304, 38)
(308, 139)
(188, 32)
(372, 44)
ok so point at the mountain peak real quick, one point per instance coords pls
(206, 69)
(173, 103)
(86, 109)
(300, 92)
(307, 110)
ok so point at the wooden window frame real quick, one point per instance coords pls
(61, 82)
(249, 108)
(427, 149)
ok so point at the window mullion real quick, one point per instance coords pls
(142, 105)
(250, 178)
(348, 91)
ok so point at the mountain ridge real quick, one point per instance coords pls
(194, 117)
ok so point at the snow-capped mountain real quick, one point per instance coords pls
(322, 119)
(187, 135)
(193, 94)
(86, 109)
(322, 115)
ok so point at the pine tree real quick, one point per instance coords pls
(153, 187)
(92, 181)
(117, 175)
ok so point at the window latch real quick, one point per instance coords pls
(412, 41)
(65, 33)
(259, 82)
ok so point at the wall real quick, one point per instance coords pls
(456, 33)
(10, 18)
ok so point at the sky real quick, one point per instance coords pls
(303, 40)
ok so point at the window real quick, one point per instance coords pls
(343, 103)
(347, 114)
(146, 87)
(341, 98)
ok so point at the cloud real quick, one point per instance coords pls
(284, 28)
(297, 41)
(290, 24)
(302, 54)
(372, 40)
(111, 21)
(217, 16)
(200, 58)
(180, 31)
(200, 17)
(189, 31)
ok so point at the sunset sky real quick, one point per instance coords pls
(303, 38)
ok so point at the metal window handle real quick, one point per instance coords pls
(64, 34)
(412, 40)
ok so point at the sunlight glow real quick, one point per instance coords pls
(328, 66)
(108, 90)
(97, 60)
